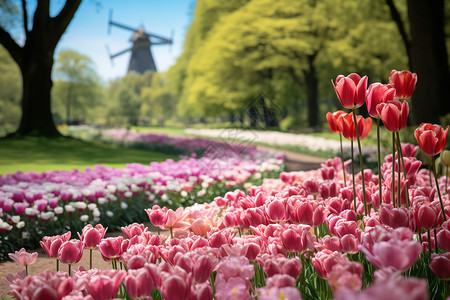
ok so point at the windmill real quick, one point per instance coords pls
(141, 56)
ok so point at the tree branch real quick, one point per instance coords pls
(62, 20)
(401, 27)
(25, 17)
(13, 48)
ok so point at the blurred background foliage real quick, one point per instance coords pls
(233, 51)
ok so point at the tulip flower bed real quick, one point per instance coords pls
(36, 204)
(321, 234)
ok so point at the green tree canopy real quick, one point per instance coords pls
(77, 90)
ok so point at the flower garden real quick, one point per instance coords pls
(226, 230)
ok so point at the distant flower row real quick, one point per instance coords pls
(30, 200)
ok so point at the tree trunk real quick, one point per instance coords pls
(429, 60)
(37, 118)
(311, 92)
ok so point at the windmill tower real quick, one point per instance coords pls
(141, 59)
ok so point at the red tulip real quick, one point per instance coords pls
(431, 138)
(348, 126)
(71, 251)
(378, 93)
(351, 90)
(394, 114)
(333, 120)
(404, 83)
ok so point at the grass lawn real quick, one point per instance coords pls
(165, 130)
(43, 154)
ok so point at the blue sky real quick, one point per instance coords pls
(87, 33)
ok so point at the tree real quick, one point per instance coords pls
(76, 87)
(290, 50)
(10, 85)
(426, 49)
(157, 100)
(123, 92)
(35, 60)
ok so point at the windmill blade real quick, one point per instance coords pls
(109, 55)
(113, 23)
(121, 52)
(109, 21)
(163, 40)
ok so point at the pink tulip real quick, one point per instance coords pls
(292, 240)
(91, 236)
(174, 287)
(71, 251)
(51, 244)
(236, 266)
(332, 243)
(23, 257)
(394, 217)
(347, 276)
(351, 90)
(350, 243)
(404, 83)
(280, 281)
(378, 93)
(203, 267)
(276, 210)
(396, 287)
(105, 285)
(133, 230)
(111, 248)
(139, 283)
(157, 216)
(325, 260)
(45, 285)
(443, 238)
(201, 291)
(391, 249)
(426, 215)
(394, 114)
(440, 265)
(200, 227)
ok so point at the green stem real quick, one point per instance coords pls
(26, 270)
(379, 160)
(446, 179)
(435, 242)
(360, 162)
(399, 175)
(393, 168)
(90, 258)
(171, 233)
(353, 178)
(342, 160)
(437, 188)
(429, 242)
(70, 270)
(57, 265)
(404, 169)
